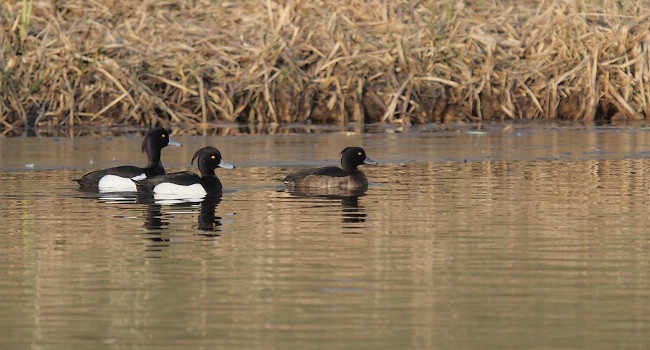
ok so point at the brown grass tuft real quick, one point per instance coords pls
(203, 62)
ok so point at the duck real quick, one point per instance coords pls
(118, 179)
(348, 177)
(186, 184)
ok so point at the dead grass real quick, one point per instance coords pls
(203, 62)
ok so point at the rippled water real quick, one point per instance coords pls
(534, 238)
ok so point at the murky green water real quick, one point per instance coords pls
(534, 238)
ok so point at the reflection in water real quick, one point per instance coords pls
(156, 222)
(207, 219)
(154, 219)
(351, 211)
(157, 218)
(109, 197)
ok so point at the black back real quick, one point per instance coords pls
(329, 171)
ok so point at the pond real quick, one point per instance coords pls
(524, 237)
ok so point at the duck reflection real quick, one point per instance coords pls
(110, 197)
(208, 221)
(154, 223)
(154, 219)
(351, 211)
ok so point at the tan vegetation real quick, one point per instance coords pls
(199, 62)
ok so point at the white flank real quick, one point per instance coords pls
(114, 183)
(172, 191)
(139, 177)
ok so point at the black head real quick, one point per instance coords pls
(157, 138)
(209, 158)
(154, 141)
(351, 157)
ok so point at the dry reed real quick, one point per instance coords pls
(200, 62)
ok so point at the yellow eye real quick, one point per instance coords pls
(359, 153)
(163, 136)
(213, 157)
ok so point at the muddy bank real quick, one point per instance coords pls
(114, 63)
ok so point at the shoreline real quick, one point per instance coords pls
(114, 64)
(232, 129)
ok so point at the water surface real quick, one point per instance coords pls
(532, 238)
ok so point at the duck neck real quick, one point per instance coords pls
(348, 166)
(206, 170)
(153, 154)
